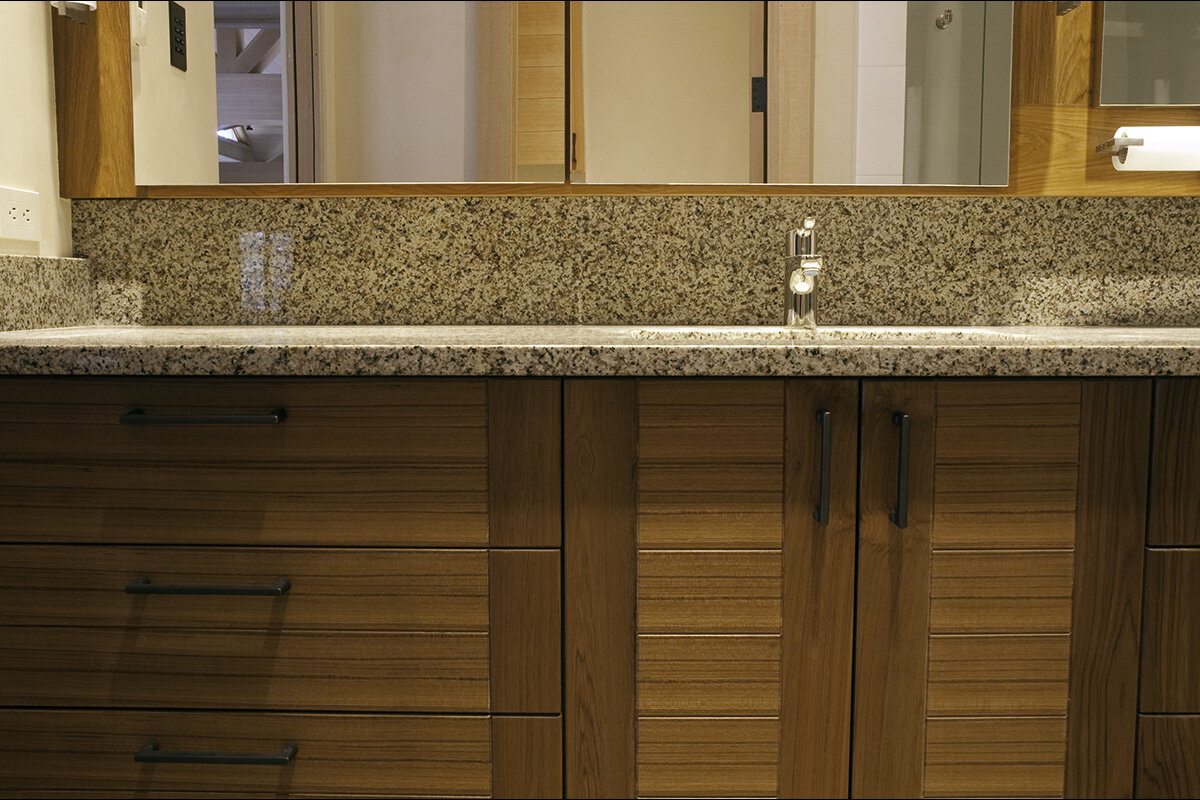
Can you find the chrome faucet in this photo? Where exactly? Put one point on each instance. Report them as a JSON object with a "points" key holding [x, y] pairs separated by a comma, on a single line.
{"points": [[803, 267]]}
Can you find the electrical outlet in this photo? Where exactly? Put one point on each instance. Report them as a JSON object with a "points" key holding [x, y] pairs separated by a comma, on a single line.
{"points": [[20, 221]]}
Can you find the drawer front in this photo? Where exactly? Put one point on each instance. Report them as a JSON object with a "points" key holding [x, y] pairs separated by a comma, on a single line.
{"points": [[327, 588], [1174, 503], [66, 753], [204, 668], [389, 462], [1171, 632], [1168, 756]]}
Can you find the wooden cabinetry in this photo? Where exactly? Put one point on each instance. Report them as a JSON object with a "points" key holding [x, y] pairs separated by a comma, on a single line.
{"points": [[1169, 728], [711, 620], [709, 615], [367, 570]]}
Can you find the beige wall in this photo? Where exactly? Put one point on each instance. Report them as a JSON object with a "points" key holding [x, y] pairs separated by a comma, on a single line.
{"points": [[666, 91], [29, 158], [175, 112], [398, 86]]}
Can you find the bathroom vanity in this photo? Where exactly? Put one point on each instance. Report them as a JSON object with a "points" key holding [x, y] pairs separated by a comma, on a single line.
{"points": [[512, 583]]}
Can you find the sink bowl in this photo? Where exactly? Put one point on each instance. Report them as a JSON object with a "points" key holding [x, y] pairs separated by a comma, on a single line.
{"points": [[832, 334]]}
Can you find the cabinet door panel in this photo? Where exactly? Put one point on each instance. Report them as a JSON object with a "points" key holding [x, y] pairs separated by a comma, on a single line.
{"points": [[1167, 762], [734, 671], [1171, 633], [1174, 502]]}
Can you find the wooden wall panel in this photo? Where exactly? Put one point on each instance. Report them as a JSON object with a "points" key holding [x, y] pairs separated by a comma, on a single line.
{"points": [[525, 462], [526, 631], [708, 757], [990, 757], [527, 757], [893, 594], [600, 555], [1105, 629], [1174, 503], [93, 90], [817, 645], [1170, 665]]}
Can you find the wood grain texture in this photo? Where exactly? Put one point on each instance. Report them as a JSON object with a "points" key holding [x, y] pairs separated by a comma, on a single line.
{"points": [[389, 462], [526, 631], [1167, 762], [1174, 503], [228, 669], [1000, 422], [1005, 591], [93, 87], [707, 757], [600, 578], [709, 506], [1005, 506], [527, 757], [973, 676], [1170, 666], [495, 90], [331, 588], [1105, 628], [893, 594], [525, 462], [708, 592], [385, 755], [989, 757], [818, 593], [710, 676]]}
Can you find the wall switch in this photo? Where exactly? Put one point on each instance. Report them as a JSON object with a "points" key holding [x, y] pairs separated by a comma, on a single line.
{"points": [[20, 221]]}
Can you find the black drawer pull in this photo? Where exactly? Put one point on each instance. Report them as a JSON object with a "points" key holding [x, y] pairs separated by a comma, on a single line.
{"points": [[144, 586], [825, 420], [899, 517], [150, 754], [138, 416]]}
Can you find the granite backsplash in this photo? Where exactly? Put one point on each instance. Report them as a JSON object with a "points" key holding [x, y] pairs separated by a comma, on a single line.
{"points": [[640, 260], [44, 292]]}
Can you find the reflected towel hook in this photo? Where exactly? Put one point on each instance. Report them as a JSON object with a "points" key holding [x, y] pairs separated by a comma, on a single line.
{"points": [[944, 19]]}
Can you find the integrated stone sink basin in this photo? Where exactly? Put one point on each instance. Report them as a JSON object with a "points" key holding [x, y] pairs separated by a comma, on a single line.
{"points": [[831, 335]]}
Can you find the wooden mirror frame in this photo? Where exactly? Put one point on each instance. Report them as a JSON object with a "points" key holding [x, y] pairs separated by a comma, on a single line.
{"points": [[1055, 127]]}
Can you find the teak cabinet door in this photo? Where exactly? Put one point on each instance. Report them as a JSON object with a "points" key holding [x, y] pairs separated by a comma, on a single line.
{"points": [[998, 582], [709, 613]]}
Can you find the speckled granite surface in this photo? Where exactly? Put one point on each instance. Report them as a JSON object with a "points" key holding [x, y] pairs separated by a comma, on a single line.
{"points": [[44, 292], [640, 260], [598, 351]]}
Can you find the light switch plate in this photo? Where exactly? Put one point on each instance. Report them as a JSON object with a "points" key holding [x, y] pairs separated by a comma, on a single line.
{"points": [[20, 221]]}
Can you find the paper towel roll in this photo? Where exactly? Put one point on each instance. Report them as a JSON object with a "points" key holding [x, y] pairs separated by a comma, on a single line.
{"points": [[1167, 149]]}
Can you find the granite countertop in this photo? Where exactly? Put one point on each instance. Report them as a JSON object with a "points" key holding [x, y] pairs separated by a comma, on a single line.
{"points": [[600, 351]]}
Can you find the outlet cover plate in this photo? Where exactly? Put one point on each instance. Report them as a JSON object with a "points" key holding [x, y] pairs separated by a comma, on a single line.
{"points": [[20, 221]]}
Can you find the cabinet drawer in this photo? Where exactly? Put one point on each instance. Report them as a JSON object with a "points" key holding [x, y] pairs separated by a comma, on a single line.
{"points": [[328, 588], [389, 462], [66, 753], [244, 669], [1168, 756], [1171, 632]]}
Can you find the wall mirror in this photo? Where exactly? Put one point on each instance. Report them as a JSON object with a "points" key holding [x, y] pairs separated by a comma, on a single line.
{"points": [[661, 92], [1149, 53], [348, 92], [792, 92]]}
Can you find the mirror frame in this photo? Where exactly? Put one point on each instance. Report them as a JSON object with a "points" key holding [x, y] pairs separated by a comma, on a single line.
{"points": [[1055, 124]]}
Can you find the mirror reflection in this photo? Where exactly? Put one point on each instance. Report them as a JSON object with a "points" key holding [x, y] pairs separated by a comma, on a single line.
{"points": [[1149, 53], [346, 92], [789, 92]]}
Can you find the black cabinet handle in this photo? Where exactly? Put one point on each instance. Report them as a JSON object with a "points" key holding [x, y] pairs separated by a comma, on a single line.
{"points": [[137, 416], [825, 420], [150, 754], [899, 517], [144, 586]]}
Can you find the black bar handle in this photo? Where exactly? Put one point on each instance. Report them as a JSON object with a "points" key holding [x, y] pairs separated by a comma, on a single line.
{"points": [[899, 517], [144, 586], [150, 754], [137, 416], [825, 420]]}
